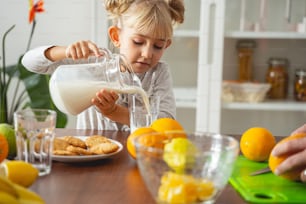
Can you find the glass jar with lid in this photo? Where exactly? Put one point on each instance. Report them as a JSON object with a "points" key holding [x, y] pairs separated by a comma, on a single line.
{"points": [[245, 50], [300, 85], [277, 76]]}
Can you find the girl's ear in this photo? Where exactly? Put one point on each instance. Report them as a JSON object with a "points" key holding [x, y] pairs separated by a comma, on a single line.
{"points": [[168, 43], [113, 33]]}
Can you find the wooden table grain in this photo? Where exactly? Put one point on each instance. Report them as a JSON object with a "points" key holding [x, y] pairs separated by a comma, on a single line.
{"points": [[108, 181]]}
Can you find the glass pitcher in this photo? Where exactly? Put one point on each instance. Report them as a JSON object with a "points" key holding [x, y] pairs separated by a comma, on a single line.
{"points": [[72, 86]]}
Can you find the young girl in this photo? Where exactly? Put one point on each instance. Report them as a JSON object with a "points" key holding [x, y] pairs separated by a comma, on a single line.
{"points": [[141, 30]]}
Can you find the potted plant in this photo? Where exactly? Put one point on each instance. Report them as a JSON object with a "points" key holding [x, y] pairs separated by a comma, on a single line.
{"points": [[36, 87]]}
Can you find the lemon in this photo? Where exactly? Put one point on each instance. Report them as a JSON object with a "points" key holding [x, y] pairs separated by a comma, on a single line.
{"points": [[9, 133], [19, 172], [179, 153]]}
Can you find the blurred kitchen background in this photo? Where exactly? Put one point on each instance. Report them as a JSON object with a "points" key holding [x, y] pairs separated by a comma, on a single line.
{"points": [[202, 56]]}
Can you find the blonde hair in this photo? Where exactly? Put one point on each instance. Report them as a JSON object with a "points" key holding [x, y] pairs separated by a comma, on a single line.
{"points": [[149, 17]]}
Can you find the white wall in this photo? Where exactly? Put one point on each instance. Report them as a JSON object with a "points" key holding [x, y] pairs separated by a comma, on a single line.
{"points": [[62, 23]]}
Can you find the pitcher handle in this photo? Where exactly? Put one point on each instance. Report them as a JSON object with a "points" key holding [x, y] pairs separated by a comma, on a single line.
{"points": [[107, 53], [126, 66]]}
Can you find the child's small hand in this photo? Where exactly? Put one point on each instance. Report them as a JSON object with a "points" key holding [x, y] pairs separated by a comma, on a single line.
{"points": [[105, 101], [82, 49]]}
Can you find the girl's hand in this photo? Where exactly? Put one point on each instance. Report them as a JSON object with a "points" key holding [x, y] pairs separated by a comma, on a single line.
{"points": [[105, 101], [82, 50]]}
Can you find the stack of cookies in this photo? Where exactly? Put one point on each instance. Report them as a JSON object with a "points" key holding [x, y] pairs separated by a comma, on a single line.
{"points": [[92, 145]]}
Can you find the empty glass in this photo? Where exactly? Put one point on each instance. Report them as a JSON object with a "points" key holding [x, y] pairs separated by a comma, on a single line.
{"points": [[35, 131], [143, 110]]}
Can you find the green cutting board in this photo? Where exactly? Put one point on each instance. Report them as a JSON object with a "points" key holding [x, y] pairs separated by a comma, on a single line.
{"points": [[265, 188]]}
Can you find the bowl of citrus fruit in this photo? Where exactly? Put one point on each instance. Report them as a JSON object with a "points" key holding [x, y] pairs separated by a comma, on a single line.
{"points": [[180, 167]]}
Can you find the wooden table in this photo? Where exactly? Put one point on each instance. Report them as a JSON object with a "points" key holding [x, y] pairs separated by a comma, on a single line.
{"points": [[109, 181]]}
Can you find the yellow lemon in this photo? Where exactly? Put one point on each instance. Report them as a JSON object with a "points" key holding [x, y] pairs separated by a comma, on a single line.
{"points": [[19, 172], [179, 153]]}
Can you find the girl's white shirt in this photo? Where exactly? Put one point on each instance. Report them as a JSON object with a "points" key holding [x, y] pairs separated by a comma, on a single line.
{"points": [[157, 81]]}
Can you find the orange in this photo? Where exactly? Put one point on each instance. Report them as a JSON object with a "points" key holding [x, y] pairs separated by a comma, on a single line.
{"points": [[275, 161], [175, 134], [166, 124], [129, 143], [155, 140], [158, 140], [257, 143], [4, 148], [182, 188], [8, 132]]}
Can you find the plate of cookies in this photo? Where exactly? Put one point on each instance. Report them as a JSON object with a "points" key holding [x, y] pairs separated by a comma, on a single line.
{"points": [[84, 148]]}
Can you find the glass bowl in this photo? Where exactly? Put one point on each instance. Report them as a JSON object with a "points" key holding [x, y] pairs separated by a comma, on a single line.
{"points": [[178, 173]]}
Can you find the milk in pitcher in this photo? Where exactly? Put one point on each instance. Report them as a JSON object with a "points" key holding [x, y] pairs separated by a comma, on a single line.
{"points": [[74, 97], [72, 86]]}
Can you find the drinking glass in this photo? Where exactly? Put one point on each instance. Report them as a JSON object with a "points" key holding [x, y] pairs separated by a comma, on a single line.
{"points": [[35, 131], [143, 110]]}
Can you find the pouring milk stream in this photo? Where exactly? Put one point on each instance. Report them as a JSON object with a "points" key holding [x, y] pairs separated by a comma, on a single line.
{"points": [[72, 86]]}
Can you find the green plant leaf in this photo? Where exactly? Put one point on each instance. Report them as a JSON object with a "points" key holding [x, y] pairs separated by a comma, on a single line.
{"points": [[35, 94], [4, 82], [37, 87]]}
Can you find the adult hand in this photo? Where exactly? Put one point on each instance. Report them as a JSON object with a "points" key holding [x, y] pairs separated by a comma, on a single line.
{"points": [[297, 151], [301, 129]]}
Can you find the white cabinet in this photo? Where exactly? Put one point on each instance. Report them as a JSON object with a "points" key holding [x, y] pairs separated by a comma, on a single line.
{"points": [[277, 35], [182, 56], [204, 54]]}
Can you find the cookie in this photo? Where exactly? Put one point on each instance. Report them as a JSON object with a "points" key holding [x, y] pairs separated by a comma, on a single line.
{"points": [[75, 141], [78, 150], [104, 148], [64, 153], [59, 144], [94, 140]]}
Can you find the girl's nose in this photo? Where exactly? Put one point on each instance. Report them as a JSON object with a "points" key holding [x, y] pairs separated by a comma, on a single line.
{"points": [[147, 52]]}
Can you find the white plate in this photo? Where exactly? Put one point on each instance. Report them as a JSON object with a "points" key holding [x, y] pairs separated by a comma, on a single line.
{"points": [[86, 158]]}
